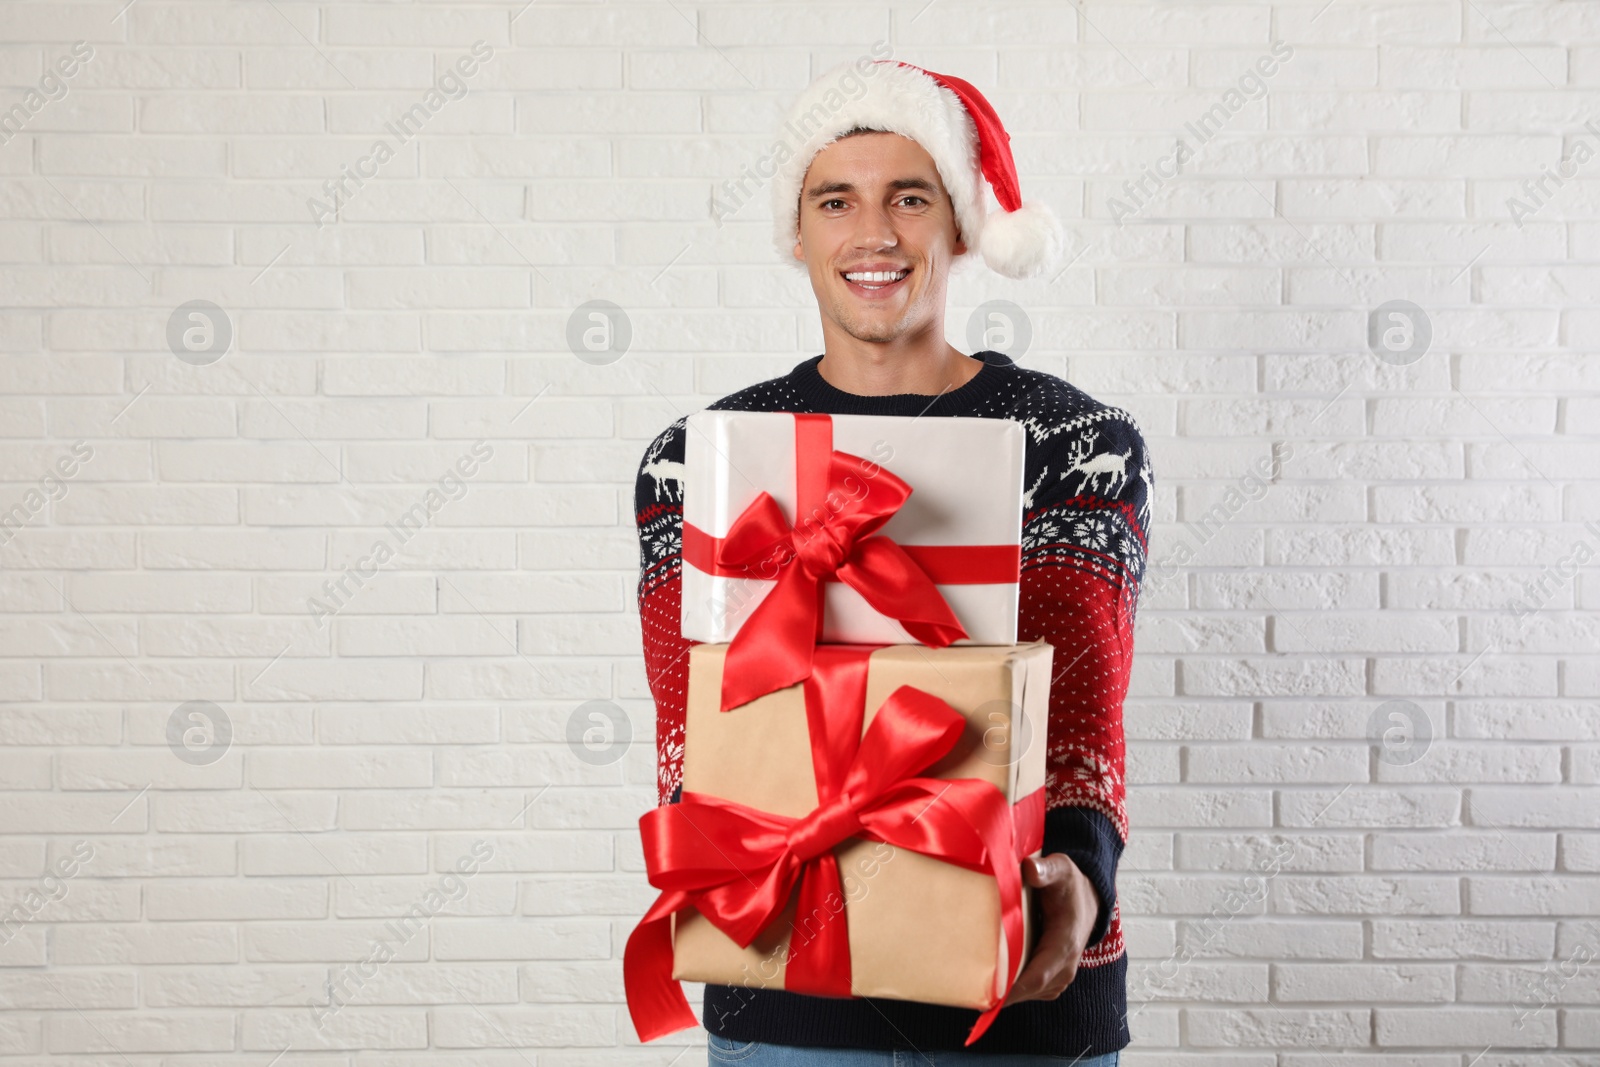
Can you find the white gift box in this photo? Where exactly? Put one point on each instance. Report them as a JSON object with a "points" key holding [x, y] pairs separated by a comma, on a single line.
{"points": [[966, 480]]}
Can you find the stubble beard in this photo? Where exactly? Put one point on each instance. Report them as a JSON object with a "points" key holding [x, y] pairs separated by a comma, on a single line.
{"points": [[872, 328]]}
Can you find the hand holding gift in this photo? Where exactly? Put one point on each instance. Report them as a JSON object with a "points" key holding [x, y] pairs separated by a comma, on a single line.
{"points": [[1069, 906]]}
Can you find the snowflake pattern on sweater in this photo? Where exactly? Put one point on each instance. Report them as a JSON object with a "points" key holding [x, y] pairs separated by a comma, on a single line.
{"points": [[1086, 509]]}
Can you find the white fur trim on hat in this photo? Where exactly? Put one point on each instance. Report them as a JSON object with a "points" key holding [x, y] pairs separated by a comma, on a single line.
{"points": [[897, 100]]}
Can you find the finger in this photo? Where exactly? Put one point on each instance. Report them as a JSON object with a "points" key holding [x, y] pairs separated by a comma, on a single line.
{"points": [[1054, 991], [1036, 974], [1053, 956], [1047, 870], [1058, 981], [1027, 986], [1055, 946], [1054, 960], [1042, 980]]}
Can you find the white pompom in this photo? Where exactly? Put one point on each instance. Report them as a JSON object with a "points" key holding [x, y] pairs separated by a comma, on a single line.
{"points": [[1021, 243]]}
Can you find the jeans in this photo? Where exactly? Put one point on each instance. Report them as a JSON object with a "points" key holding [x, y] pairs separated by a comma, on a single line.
{"points": [[723, 1052]]}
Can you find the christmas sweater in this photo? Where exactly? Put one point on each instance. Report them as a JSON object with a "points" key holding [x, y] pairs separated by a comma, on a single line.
{"points": [[1085, 515]]}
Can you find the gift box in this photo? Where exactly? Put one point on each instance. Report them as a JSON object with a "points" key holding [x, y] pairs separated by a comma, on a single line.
{"points": [[812, 528], [858, 834]]}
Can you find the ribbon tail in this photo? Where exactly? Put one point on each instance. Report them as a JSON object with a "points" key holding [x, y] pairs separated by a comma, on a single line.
{"points": [[1027, 834], [891, 582], [1009, 877], [1008, 874], [1027, 816], [773, 649], [656, 1002], [819, 958], [983, 1023], [978, 809]]}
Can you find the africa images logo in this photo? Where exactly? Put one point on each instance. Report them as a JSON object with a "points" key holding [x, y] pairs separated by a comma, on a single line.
{"points": [[52, 87]]}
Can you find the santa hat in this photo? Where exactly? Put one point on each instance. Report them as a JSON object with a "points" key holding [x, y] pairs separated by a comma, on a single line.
{"points": [[955, 125]]}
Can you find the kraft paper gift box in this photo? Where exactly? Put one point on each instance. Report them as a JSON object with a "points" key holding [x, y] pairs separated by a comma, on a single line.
{"points": [[961, 524], [919, 928]]}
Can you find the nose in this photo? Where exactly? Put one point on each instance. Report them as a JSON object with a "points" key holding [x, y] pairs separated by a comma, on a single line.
{"points": [[875, 228]]}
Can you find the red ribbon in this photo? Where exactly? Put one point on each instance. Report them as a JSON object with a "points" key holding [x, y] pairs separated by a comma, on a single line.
{"points": [[840, 502], [738, 865]]}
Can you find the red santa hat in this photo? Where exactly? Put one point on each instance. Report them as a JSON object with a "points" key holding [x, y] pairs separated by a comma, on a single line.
{"points": [[955, 125]]}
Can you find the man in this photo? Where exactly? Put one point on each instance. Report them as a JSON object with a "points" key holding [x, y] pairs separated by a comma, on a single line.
{"points": [[878, 220]]}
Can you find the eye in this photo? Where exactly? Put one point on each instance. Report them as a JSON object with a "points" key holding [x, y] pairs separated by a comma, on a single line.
{"points": [[835, 200], [912, 196]]}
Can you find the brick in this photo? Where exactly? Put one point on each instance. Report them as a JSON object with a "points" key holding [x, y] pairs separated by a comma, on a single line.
{"points": [[279, 898], [349, 855], [475, 896], [143, 943], [1395, 983], [1460, 939], [289, 769], [234, 115], [122, 1033]]}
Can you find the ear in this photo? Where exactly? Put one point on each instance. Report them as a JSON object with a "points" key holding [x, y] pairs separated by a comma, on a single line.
{"points": [[959, 247]]}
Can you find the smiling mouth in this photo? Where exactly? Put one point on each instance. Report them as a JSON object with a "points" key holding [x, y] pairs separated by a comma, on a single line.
{"points": [[874, 281]]}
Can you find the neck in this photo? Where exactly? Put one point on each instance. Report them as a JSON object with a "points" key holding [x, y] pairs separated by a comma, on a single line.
{"points": [[870, 369]]}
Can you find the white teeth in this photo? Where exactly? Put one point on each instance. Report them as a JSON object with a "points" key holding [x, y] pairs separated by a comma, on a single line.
{"points": [[877, 275]]}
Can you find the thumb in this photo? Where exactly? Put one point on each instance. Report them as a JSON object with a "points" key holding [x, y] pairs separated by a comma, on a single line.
{"points": [[1053, 867], [1041, 870]]}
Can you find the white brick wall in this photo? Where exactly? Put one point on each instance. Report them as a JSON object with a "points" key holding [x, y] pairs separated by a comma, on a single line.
{"points": [[1441, 910]]}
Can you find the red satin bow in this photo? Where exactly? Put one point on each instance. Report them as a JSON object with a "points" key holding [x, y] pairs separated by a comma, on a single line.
{"points": [[839, 507], [737, 865]]}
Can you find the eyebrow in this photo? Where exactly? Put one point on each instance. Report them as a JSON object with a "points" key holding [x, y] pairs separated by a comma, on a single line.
{"points": [[829, 188]]}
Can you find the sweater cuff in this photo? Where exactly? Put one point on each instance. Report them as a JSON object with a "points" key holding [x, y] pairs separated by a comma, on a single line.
{"points": [[1089, 839]]}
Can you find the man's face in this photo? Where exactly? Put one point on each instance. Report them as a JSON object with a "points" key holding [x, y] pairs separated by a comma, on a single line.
{"points": [[874, 202]]}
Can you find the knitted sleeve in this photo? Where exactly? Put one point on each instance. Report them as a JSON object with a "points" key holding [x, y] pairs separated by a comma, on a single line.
{"points": [[1083, 558], [658, 514]]}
